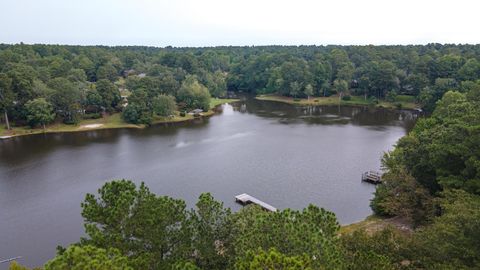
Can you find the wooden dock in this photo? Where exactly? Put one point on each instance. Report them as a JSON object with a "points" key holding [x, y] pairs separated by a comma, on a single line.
{"points": [[11, 259], [245, 199], [372, 177]]}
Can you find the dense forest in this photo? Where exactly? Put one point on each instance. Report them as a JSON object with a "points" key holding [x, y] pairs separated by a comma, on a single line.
{"points": [[41, 84], [432, 177]]}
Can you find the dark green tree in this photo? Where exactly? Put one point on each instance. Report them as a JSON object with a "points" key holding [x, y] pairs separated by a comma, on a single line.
{"points": [[88, 257], [109, 93], [39, 112], [193, 94], [164, 105], [7, 97], [212, 227], [151, 231]]}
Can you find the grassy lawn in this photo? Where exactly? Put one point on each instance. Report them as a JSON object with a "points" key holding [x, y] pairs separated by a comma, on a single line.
{"points": [[106, 122], [406, 101], [375, 223], [109, 121], [368, 223]]}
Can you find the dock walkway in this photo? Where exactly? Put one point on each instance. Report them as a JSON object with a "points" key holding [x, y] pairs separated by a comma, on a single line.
{"points": [[372, 177], [247, 199]]}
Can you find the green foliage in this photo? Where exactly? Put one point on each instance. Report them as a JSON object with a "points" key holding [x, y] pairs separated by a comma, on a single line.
{"points": [[164, 105], [181, 265], [216, 83], [385, 249], [151, 231], [272, 260], [308, 91], [109, 94], [312, 231], [16, 266], [88, 257], [212, 228], [93, 100], [451, 242], [139, 108], [92, 116], [377, 78], [391, 96], [470, 71], [441, 150], [401, 195], [7, 96], [39, 112], [66, 98], [38, 71], [107, 72], [132, 228], [194, 95], [340, 86]]}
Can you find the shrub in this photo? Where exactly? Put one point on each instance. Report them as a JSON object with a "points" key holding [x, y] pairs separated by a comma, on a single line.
{"points": [[346, 97], [164, 105], [183, 113], [391, 96], [296, 99], [92, 116], [373, 100]]}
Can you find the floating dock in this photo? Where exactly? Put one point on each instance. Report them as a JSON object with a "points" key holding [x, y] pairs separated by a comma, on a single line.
{"points": [[245, 199], [372, 177], [11, 259]]}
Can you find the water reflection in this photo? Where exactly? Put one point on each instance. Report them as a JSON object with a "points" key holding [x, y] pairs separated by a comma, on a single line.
{"points": [[328, 115], [288, 156]]}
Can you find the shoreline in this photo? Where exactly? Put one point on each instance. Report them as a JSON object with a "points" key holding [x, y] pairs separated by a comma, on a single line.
{"points": [[334, 101], [113, 121], [374, 223]]}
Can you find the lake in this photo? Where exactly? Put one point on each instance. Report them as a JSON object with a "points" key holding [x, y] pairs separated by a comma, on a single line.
{"points": [[285, 155]]}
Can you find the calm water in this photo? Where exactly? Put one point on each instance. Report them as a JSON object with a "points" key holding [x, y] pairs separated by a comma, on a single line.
{"points": [[285, 155]]}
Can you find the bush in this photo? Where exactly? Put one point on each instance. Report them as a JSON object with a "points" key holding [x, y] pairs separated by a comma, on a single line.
{"points": [[194, 94], [183, 113], [391, 96], [135, 115], [296, 99], [347, 97], [71, 119], [92, 116], [164, 105], [398, 105], [373, 100]]}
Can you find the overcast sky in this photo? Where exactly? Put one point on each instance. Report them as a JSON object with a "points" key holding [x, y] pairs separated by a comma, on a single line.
{"points": [[239, 22]]}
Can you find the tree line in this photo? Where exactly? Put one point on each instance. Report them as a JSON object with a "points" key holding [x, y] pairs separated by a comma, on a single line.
{"points": [[68, 83], [43, 83]]}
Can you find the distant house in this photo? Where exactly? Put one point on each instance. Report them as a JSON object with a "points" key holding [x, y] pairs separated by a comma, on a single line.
{"points": [[196, 111]]}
